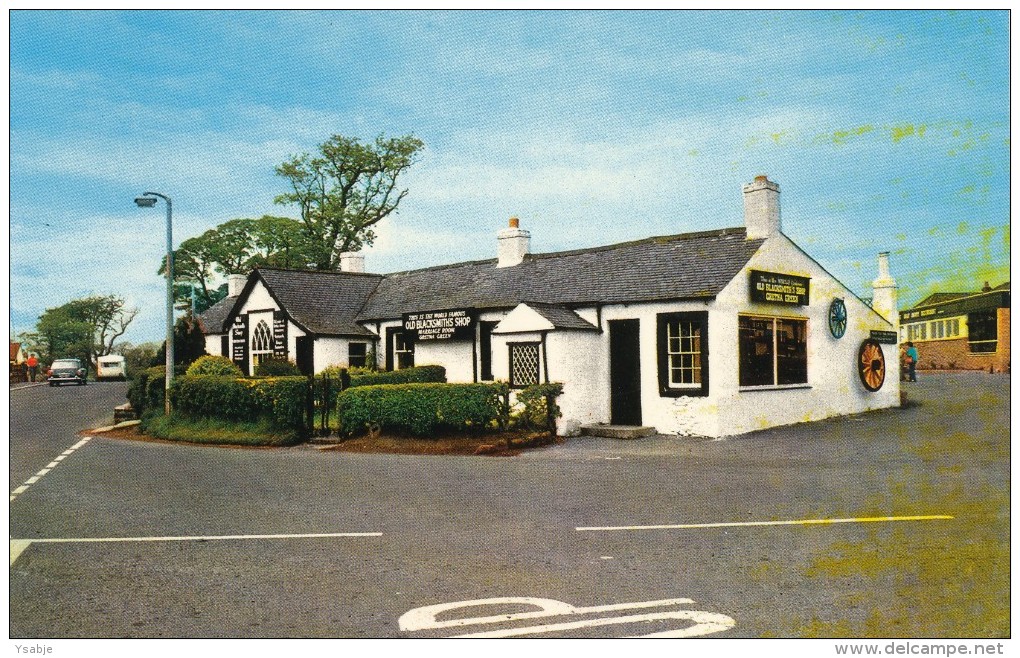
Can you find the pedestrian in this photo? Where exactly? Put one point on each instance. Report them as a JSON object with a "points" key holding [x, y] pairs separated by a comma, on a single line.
{"points": [[911, 362], [33, 366]]}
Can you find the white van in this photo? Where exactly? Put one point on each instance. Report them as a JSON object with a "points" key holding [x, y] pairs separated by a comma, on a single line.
{"points": [[111, 366]]}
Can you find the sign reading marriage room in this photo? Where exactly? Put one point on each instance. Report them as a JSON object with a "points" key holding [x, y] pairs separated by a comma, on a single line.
{"points": [[457, 324], [776, 288]]}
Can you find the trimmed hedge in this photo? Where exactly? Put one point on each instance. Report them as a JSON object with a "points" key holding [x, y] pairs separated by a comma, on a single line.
{"points": [[421, 409], [540, 409], [279, 400], [146, 392], [416, 375], [214, 365], [276, 367]]}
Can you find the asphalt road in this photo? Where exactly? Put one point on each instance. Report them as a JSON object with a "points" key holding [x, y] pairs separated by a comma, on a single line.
{"points": [[220, 547]]}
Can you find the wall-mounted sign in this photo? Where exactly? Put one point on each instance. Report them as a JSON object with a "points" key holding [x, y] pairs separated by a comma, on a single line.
{"points": [[985, 302], [239, 342], [279, 334], [885, 337], [456, 324], [776, 288]]}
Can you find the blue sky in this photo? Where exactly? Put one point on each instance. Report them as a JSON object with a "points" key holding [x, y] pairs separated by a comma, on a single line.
{"points": [[887, 131]]}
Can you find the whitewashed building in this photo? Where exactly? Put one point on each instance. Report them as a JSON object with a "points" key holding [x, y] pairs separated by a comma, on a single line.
{"points": [[711, 333]]}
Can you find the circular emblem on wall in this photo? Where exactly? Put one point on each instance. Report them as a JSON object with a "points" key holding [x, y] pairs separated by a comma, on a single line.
{"points": [[871, 365], [837, 318]]}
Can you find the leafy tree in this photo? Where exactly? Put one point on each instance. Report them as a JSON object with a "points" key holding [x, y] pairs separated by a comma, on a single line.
{"points": [[346, 189], [189, 343], [85, 328], [137, 357]]}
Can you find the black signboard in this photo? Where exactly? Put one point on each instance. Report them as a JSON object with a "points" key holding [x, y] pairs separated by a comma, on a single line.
{"points": [[456, 324], [885, 337], [776, 288], [279, 334], [239, 342]]}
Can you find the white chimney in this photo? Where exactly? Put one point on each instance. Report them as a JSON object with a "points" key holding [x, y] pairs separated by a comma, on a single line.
{"points": [[235, 284], [514, 243], [352, 261], [761, 208], [884, 298]]}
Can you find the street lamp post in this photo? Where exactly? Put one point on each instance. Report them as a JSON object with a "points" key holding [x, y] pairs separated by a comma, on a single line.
{"points": [[147, 200]]}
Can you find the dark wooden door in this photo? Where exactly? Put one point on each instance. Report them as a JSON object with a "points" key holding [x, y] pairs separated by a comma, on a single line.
{"points": [[304, 346], [625, 372]]}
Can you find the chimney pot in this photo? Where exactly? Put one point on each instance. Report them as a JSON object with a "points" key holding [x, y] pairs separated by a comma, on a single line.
{"points": [[986, 287], [513, 244]]}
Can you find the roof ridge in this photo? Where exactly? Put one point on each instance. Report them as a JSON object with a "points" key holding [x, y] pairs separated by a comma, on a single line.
{"points": [[318, 272], [736, 230]]}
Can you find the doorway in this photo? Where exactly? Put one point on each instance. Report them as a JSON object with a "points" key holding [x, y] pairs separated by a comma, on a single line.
{"points": [[625, 372]]}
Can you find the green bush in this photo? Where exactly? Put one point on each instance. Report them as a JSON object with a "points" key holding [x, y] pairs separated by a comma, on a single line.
{"points": [[370, 377], [214, 365], [539, 408], [422, 409], [146, 392], [278, 400], [276, 367]]}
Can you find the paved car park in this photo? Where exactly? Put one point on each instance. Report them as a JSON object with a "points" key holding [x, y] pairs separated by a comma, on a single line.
{"points": [[184, 541]]}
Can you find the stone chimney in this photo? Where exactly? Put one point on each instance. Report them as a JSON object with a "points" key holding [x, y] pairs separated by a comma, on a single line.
{"points": [[884, 299], [352, 261], [986, 287], [761, 208], [513, 244], [235, 284]]}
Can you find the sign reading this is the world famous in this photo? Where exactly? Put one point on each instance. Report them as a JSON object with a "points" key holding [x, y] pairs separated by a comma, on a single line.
{"points": [[456, 324], [776, 288]]}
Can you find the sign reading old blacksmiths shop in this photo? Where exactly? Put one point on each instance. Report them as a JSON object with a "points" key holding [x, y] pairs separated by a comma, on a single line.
{"points": [[239, 342], [456, 324], [776, 288], [279, 334]]}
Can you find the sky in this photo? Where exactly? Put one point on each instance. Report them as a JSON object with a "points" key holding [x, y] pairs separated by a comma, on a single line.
{"points": [[886, 131]]}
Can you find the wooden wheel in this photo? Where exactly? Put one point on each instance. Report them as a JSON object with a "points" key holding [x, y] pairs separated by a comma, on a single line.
{"points": [[871, 365], [837, 318]]}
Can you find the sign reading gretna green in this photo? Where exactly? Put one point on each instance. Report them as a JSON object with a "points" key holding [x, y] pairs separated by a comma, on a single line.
{"points": [[776, 288], [456, 324], [886, 337]]}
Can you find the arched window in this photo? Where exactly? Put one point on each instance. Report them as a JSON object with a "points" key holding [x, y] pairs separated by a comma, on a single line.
{"points": [[261, 343]]}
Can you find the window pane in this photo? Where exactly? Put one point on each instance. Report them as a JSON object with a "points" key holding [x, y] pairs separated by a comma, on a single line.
{"points": [[524, 364], [756, 357], [791, 351], [356, 354]]}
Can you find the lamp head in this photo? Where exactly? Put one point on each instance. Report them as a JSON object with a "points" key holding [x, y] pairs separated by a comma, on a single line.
{"points": [[145, 201]]}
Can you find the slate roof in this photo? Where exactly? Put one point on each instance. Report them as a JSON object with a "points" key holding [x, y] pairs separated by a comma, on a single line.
{"points": [[321, 302], [1002, 286], [561, 317], [687, 266], [211, 319], [940, 297]]}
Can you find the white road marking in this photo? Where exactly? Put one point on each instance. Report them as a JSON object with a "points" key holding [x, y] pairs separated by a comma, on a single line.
{"points": [[24, 543], [706, 622], [49, 467], [738, 524], [425, 618]]}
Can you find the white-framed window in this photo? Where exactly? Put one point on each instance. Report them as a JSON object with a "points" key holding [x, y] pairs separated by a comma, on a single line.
{"points": [[682, 346], [261, 343]]}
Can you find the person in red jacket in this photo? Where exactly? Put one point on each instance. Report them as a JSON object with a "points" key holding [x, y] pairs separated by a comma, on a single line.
{"points": [[33, 366]]}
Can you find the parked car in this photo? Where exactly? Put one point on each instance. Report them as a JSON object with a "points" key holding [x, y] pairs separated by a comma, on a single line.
{"points": [[66, 371], [111, 366]]}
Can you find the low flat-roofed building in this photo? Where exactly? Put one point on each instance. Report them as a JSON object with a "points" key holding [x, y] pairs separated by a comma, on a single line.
{"points": [[960, 330]]}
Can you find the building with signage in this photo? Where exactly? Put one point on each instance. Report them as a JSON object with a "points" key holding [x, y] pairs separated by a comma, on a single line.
{"points": [[711, 333], [960, 330]]}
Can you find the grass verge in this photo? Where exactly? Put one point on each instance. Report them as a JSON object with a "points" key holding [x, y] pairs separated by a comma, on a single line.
{"points": [[219, 432]]}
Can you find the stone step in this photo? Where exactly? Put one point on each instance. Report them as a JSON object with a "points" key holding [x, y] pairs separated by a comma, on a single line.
{"points": [[124, 412], [617, 431]]}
